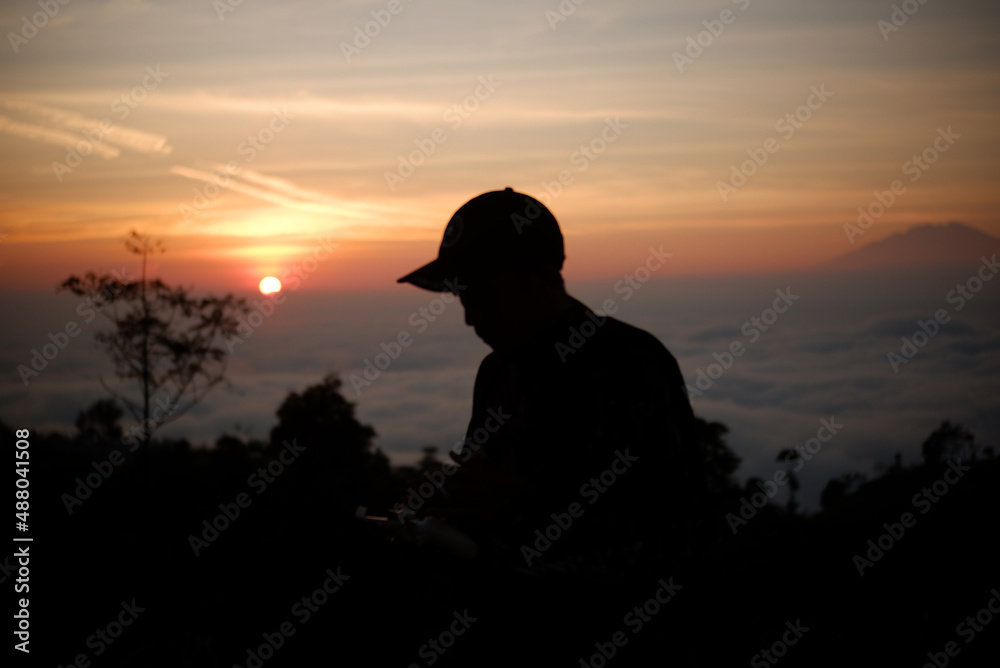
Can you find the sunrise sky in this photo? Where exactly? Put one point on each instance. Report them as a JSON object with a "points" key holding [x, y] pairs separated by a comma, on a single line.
{"points": [[301, 119], [258, 138]]}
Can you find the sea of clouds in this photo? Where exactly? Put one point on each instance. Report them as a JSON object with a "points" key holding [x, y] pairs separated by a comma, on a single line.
{"points": [[824, 356]]}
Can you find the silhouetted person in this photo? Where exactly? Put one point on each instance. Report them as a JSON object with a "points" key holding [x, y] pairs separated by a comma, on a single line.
{"points": [[580, 466]]}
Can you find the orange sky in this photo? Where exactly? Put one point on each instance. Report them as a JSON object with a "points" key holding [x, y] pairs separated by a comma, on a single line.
{"points": [[240, 152], [213, 263]]}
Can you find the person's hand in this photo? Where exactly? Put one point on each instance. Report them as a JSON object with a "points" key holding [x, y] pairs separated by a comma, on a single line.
{"points": [[479, 488], [406, 527]]}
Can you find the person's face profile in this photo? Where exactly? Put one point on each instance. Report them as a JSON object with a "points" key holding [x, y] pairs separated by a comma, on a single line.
{"points": [[494, 308]]}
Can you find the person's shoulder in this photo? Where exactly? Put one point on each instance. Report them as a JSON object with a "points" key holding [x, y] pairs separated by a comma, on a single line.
{"points": [[626, 331], [624, 345], [489, 367], [625, 337]]}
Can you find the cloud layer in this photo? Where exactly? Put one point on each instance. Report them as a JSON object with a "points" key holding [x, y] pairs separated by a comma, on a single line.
{"points": [[825, 357]]}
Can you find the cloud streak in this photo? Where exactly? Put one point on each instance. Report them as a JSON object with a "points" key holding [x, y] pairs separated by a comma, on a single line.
{"points": [[94, 131], [274, 191], [48, 135]]}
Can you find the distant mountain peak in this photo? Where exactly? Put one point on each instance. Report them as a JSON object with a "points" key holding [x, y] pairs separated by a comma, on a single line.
{"points": [[931, 245]]}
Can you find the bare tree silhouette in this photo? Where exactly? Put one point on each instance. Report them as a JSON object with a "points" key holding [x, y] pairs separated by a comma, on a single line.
{"points": [[161, 339]]}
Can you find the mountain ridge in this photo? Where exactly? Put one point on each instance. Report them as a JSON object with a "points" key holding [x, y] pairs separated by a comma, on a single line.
{"points": [[930, 245]]}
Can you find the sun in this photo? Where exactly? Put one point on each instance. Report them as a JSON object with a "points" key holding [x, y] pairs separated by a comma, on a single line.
{"points": [[270, 285]]}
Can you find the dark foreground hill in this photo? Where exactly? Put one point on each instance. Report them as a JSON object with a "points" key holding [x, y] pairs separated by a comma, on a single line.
{"points": [[226, 576]]}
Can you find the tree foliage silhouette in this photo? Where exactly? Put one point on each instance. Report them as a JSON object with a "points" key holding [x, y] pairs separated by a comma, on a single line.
{"points": [[161, 338], [791, 457], [837, 489], [338, 464], [948, 441], [99, 423], [720, 462]]}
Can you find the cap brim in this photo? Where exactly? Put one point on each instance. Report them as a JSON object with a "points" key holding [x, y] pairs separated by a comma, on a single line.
{"points": [[431, 276]]}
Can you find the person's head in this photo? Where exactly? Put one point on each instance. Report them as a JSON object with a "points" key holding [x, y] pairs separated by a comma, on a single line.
{"points": [[507, 308], [502, 253]]}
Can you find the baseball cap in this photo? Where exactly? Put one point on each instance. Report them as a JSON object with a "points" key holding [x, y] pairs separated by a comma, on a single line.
{"points": [[497, 230]]}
